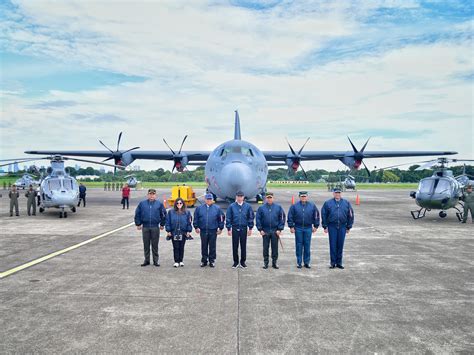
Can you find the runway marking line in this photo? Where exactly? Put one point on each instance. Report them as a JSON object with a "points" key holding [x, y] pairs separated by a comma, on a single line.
{"points": [[59, 252]]}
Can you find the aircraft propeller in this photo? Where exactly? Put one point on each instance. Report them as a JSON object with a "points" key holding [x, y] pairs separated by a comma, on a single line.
{"points": [[294, 160], [358, 155], [117, 154], [180, 159]]}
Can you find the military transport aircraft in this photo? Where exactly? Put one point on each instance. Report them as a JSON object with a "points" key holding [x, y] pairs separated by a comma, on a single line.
{"points": [[239, 165]]}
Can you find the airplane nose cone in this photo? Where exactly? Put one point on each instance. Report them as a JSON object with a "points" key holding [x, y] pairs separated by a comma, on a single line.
{"points": [[238, 176]]}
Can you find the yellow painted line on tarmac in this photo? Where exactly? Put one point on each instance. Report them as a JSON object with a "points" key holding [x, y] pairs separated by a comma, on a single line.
{"points": [[59, 252]]}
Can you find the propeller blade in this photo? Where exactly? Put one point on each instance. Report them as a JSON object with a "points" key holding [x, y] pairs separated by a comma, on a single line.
{"points": [[172, 151], [106, 146], [365, 166], [303, 146], [353, 146], [118, 141], [291, 148], [108, 159], [365, 145], [182, 143], [304, 172], [130, 150]]}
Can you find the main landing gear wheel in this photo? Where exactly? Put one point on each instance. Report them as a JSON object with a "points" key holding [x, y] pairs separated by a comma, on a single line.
{"points": [[443, 214]]}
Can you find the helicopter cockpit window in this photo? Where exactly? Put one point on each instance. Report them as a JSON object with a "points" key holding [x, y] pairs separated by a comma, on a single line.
{"points": [[68, 184], [443, 186], [54, 184], [426, 186]]}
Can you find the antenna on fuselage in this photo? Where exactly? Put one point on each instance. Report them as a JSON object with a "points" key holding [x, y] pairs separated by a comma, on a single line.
{"points": [[237, 126]]}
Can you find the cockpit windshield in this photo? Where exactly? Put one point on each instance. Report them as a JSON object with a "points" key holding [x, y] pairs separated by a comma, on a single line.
{"points": [[237, 150], [426, 186], [440, 186], [68, 184], [443, 186], [54, 184]]}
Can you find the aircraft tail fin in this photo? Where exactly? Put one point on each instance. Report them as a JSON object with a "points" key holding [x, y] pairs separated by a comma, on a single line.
{"points": [[237, 126]]}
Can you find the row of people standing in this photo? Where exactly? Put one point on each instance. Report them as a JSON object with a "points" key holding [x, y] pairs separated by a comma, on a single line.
{"points": [[31, 196], [304, 219]]}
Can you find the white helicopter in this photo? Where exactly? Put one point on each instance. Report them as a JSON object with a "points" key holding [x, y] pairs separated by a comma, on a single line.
{"points": [[58, 189], [132, 181], [25, 181]]}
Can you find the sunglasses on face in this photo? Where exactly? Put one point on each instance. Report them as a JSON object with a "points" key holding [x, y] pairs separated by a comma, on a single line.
{"points": [[179, 203]]}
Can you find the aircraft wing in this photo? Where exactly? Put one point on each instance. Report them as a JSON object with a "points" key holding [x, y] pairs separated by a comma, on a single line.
{"points": [[142, 154], [337, 155]]}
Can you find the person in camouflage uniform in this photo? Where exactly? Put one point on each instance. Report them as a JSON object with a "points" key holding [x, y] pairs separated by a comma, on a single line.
{"points": [[468, 198]]}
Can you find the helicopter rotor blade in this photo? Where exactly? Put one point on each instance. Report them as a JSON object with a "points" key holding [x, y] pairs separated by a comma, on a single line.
{"points": [[429, 164], [22, 161], [94, 162]]}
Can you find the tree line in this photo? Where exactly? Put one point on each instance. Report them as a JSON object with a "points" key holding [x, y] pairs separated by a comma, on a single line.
{"points": [[280, 174]]}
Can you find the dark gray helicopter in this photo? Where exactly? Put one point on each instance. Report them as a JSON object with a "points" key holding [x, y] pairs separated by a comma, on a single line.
{"points": [[441, 191], [239, 165], [58, 189]]}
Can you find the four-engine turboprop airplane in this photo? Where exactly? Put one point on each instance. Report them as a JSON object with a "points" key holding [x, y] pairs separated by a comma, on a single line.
{"points": [[237, 165]]}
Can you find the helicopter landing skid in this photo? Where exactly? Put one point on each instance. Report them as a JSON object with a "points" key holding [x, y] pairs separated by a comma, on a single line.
{"points": [[419, 213], [459, 213]]}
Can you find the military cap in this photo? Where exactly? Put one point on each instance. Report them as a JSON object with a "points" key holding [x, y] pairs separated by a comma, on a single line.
{"points": [[239, 193], [303, 193], [151, 191], [336, 189], [209, 197], [269, 194]]}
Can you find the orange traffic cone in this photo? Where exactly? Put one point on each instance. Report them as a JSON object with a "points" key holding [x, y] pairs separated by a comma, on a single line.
{"points": [[357, 200], [292, 200], [164, 201]]}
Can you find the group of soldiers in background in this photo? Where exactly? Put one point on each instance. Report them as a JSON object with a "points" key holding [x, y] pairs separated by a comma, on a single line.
{"points": [[304, 218], [113, 186]]}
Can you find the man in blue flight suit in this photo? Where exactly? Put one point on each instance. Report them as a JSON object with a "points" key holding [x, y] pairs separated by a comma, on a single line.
{"points": [[239, 223], [338, 217], [209, 223], [82, 195], [150, 218], [270, 223], [303, 220]]}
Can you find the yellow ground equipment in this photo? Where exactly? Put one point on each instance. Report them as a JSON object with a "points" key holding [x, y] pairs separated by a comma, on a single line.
{"points": [[185, 192]]}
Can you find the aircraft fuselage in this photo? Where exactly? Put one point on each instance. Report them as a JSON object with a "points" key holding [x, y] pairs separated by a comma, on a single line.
{"points": [[236, 165]]}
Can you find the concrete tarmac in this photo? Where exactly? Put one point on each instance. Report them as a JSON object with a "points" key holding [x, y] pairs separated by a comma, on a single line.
{"points": [[408, 286]]}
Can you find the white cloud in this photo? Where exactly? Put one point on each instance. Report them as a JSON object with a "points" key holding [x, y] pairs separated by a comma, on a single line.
{"points": [[203, 62]]}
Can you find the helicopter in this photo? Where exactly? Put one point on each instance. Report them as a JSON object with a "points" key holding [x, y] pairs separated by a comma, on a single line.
{"points": [[58, 189], [25, 181], [441, 191], [132, 181]]}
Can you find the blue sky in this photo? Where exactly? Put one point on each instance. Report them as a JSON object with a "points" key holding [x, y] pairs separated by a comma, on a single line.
{"points": [[400, 72]]}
